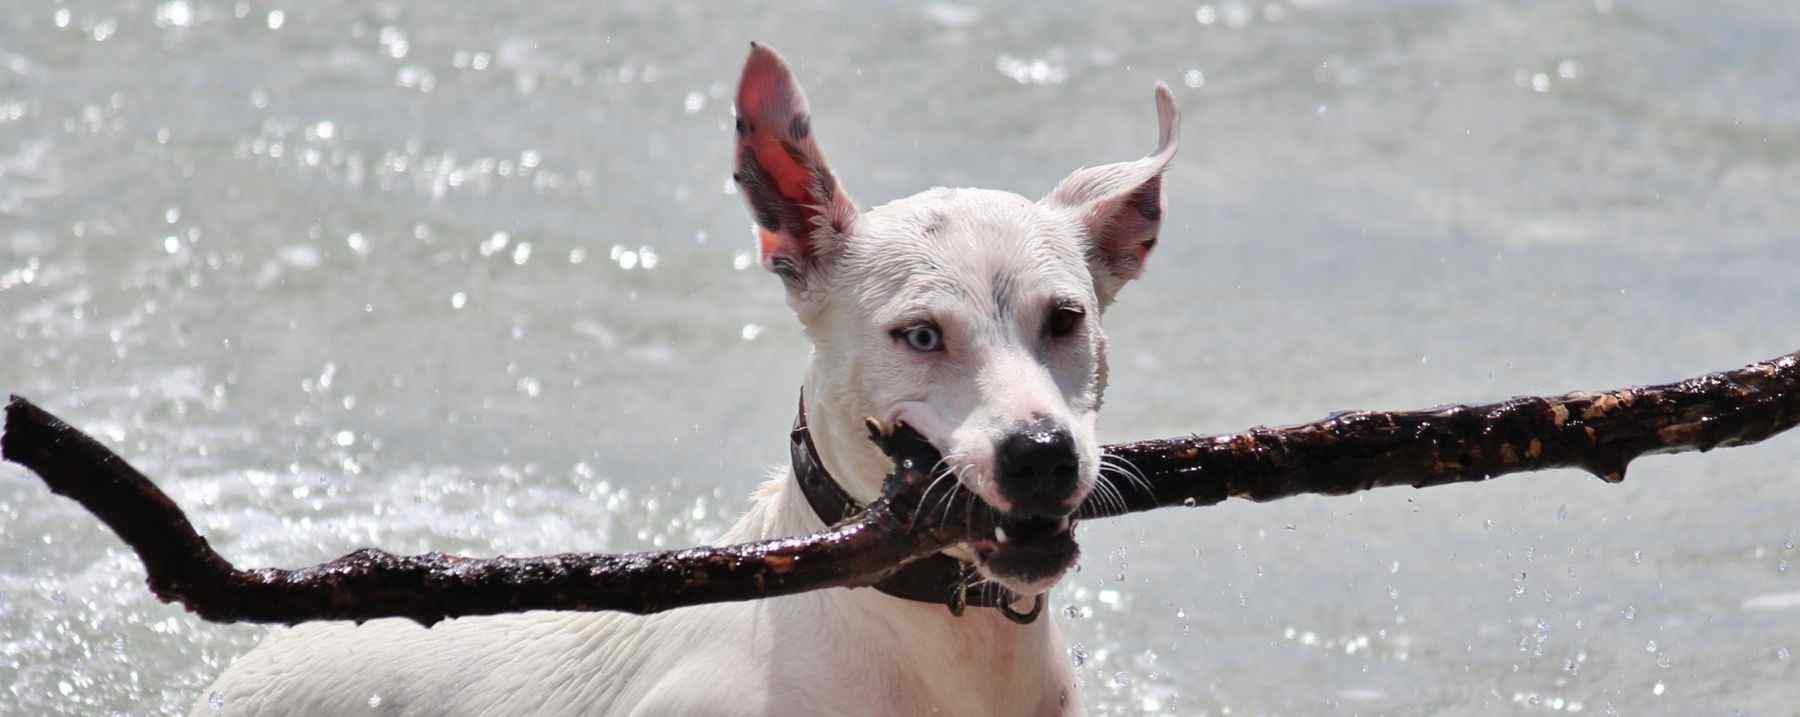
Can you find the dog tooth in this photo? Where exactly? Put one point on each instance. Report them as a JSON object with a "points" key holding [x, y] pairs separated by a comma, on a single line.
{"points": [[1000, 533]]}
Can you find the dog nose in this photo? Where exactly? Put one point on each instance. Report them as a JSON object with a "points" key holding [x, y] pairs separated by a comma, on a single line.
{"points": [[1035, 467]]}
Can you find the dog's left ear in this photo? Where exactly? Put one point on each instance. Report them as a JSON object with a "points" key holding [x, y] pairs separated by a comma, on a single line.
{"points": [[802, 214], [1121, 204]]}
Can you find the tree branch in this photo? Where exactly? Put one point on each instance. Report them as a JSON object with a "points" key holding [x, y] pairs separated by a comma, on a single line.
{"points": [[1345, 453], [1353, 451]]}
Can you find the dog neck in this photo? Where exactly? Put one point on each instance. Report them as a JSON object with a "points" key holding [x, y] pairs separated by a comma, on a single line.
{"points": [[917, 653], [844, 449]]}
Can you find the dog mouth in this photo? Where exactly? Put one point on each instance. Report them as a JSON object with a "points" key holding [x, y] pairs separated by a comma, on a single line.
{"points": [[1027, 553]]}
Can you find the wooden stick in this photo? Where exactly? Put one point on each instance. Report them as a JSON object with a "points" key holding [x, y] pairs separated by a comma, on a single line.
{"points": [[1344, 453], [1353, 451]]}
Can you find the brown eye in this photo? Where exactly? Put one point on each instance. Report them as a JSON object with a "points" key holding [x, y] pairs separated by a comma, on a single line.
{"points": [[1064, 320]]}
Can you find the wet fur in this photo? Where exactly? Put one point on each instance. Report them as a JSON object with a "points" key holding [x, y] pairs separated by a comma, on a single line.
{"points": [[986, 266]]}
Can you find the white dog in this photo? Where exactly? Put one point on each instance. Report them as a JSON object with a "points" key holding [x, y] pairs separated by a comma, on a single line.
{"points": [[971, 315]]}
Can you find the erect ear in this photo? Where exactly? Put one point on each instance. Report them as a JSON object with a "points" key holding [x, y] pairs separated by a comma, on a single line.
{"points": [[801, 213], [1121, 204]]}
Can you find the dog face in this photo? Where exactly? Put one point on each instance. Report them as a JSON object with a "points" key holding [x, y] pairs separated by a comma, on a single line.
{"points": [[971, 315]]}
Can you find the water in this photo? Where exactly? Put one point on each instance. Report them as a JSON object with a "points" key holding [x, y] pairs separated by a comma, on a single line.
{"points": [[276, 254]]}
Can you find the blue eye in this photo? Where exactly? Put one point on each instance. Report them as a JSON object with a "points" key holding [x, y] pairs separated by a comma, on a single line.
{"points": [[924, 338]]}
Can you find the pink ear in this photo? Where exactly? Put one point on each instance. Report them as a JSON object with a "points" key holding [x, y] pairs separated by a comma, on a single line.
{"points": [[800, 210], [1122, 204]]}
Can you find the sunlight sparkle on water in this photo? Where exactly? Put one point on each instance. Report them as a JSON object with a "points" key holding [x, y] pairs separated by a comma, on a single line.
{"points": [[176, 13]]}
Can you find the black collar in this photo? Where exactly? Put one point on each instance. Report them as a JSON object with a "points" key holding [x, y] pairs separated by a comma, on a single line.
{"points": [[938, 579]]}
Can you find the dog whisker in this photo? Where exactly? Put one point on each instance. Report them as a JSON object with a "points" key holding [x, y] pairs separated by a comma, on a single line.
{"points": [[1110, 497], [1131, 471], [925, 499], [944, 517]]}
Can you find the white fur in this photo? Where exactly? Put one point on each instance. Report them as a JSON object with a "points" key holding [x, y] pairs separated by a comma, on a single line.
{"points": [[844, 652], [986, 267]]}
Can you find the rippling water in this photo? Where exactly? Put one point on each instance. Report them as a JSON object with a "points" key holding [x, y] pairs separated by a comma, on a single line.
{"points": [[471, 279]]}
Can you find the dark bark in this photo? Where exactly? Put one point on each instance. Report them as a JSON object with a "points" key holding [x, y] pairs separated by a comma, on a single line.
{"points": [[1352, 451], [1347, 452]]}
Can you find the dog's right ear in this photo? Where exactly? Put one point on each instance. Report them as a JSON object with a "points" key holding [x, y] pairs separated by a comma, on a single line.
{"points": [[802, 214]]}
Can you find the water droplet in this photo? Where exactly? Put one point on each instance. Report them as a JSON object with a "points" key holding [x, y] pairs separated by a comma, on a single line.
{"points": [[393, 42], [1629, 612], [1658, 689], [1031, 71], [215, 701], [458, 300], [626, 258], [374, 700], [494, 243], [751, 331], [345, 438], [693, 103], [1190, 502], [1194, 78], [1781, 653], [1078, 655], [276, 19], [65, 688]]}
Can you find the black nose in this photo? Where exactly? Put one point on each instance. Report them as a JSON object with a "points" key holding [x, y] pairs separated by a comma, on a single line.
{"points": [[1035, 467]]}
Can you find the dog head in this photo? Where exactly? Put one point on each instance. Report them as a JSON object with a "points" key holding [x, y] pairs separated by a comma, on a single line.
{"points": [[971, 315]]}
